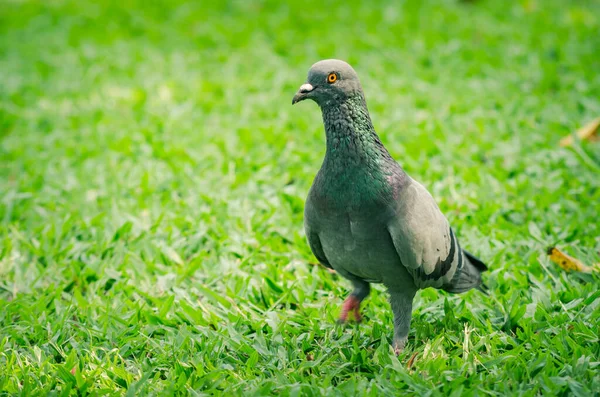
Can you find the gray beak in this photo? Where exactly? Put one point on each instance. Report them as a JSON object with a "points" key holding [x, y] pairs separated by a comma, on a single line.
{"points": [[302, 93]]}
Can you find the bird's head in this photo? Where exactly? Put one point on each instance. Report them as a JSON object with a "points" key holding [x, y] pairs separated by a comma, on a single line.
{"points": [[329, 81]]}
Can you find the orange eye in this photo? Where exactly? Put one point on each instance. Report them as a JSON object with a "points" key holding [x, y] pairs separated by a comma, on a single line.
{"points": [[332, 78]]}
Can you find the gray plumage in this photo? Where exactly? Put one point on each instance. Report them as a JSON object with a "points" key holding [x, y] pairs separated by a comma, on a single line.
{"points": [[366, 218]]}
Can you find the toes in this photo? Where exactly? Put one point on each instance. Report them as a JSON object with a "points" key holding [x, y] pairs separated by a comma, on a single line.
{"points": [[351, 305], [399, 345]]}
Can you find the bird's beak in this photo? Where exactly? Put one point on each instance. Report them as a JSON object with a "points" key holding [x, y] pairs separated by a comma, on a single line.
{"points": [[302, 93]]}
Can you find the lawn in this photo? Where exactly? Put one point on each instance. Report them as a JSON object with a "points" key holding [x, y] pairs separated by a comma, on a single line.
{"points": [[153, 175]]}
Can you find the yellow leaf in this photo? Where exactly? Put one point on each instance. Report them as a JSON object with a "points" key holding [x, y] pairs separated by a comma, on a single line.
{"points": [[587, 132], [567, 262]]}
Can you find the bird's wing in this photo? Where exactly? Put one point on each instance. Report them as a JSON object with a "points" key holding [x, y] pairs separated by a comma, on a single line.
{"points": [[312, 236], [423, 238], [315, 246]]}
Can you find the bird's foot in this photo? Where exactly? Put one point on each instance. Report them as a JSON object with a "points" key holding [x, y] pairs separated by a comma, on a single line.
{"points": [[351, 304], [399, 345]]}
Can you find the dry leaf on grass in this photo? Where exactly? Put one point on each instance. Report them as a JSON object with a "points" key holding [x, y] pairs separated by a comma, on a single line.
{"points": [[567, 262], [588, 132], [411, 361]]}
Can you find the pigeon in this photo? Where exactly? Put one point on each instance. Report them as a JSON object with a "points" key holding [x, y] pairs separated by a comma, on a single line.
{"points": [[366, 218]]}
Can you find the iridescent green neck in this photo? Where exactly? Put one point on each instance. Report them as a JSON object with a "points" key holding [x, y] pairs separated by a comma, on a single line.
{"points": [[351, 138], [356, 165]]}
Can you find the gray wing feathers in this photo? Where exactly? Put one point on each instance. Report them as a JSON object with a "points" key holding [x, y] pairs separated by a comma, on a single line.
{"points": [[315, 246], [423, 238], [313, 237]]}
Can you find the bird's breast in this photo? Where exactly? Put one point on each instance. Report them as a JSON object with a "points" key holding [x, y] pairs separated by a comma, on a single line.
{"points": [[355, 239]]}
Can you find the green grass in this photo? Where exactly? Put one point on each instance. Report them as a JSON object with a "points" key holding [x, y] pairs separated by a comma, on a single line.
{"points": [[153, 174]]}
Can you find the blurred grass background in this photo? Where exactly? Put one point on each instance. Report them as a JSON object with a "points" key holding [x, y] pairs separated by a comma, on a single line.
{"points": [[153, 175]]}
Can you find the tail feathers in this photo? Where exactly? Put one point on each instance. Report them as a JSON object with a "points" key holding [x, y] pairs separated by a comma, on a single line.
{"points": [[469, 276], [475, 261]]}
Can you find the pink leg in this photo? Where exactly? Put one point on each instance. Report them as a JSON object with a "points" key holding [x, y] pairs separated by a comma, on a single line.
{"points": [[351, 304]]}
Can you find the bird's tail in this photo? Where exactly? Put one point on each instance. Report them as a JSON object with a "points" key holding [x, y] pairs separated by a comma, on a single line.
{"points": [[469, 276]]}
